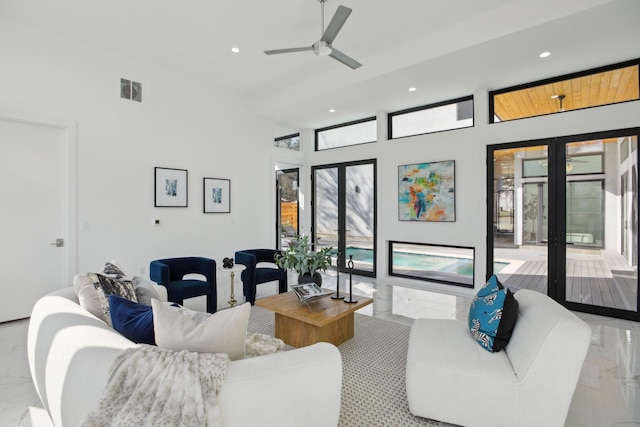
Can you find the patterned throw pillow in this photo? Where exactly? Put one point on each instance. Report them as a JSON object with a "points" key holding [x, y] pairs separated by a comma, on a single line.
{"points": [[92, 300], [112, 270], [109, 285], [493, 315]]}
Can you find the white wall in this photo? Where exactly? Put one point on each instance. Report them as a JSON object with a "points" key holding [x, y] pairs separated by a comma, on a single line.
{"points": [[181, 123]]}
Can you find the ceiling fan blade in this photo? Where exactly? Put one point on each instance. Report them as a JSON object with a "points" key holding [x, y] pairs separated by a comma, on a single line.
{"points": [[336, 24], [292, 49], [341, 57]]}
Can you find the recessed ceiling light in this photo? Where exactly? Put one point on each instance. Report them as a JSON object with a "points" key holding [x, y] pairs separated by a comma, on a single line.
{"points": [[412, 89], [235, 50], [545, 54], [332, 110]]}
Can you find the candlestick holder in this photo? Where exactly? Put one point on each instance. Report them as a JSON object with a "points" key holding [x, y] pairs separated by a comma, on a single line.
{"points": [[350, 267], [337, 294]]}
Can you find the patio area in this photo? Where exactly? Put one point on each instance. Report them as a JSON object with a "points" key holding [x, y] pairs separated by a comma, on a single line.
{"points": [[594, 276]]}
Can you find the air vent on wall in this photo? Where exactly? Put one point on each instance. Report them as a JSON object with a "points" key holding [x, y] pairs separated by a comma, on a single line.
{"points": [[130, 90]]}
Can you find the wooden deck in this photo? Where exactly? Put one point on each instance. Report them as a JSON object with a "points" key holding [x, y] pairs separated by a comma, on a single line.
{"points": [[598, 278]]}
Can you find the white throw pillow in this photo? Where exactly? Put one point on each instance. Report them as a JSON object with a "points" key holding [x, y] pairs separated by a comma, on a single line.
{"points": [[178, 328], [145, 290]]}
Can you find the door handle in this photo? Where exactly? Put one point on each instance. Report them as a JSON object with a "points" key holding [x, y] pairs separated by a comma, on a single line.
{"points": [[58, 243]]}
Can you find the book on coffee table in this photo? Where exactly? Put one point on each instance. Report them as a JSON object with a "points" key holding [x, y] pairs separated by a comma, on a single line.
{"points": [[308, 291]]}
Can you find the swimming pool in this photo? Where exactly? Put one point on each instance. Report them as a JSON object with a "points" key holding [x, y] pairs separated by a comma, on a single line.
{"points": [[421, 261]]}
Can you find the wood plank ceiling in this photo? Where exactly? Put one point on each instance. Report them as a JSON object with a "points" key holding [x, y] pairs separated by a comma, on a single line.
{"points": [[603, 88]]}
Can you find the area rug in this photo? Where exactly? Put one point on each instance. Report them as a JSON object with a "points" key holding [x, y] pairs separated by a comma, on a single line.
{"points": [[373, 372]]}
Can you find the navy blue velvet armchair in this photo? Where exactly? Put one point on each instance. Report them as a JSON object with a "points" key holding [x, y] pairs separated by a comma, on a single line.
{"points": [[170, 273], [254, 275]]}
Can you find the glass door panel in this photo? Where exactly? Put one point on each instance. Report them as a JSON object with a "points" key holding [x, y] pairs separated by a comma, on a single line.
{"points": [[359, 216], [287, 206], [325, 204], [344, 213], [520, 193], [601, 270]]}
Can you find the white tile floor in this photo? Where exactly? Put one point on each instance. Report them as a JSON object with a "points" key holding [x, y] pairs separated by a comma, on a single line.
{"points": [[607, 394]]}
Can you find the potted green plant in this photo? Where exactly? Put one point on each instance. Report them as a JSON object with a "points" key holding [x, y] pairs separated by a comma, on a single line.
{"points": [[300, 257]]}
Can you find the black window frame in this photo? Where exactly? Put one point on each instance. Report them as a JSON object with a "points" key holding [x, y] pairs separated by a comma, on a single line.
{"points": [[340, 125], [427, 278], [281, 138], [560, 78], [391, 115]]}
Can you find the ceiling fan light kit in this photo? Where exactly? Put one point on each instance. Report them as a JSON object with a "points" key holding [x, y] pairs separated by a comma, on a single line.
{"points": [[321, 48], [324, 47], [560, 98]]}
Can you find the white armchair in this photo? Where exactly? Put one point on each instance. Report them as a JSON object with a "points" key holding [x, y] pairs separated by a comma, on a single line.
{"points": [[451, 378]]}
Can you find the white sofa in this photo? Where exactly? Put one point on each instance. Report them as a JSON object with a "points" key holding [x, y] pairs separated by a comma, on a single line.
{"points": [[451, 378], [71, 352]]}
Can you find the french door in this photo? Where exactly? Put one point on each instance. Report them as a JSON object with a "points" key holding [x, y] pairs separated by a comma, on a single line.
{"points": [[574, 208], [287, 207], [344, 213]]}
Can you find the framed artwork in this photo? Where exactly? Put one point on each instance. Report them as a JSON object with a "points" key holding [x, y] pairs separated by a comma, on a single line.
{"points": [[171, 188], [426, 192], [217, 195]]}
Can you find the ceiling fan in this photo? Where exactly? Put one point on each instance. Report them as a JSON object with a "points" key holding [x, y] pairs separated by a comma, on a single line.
{"points": [[324, 47]]}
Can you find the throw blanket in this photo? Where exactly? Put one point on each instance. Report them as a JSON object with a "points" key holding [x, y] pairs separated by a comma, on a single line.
{"points": [[152, 386], [256, 344]]}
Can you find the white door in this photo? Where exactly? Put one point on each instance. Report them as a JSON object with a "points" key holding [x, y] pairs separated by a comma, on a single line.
{"points": [[33, 214]]}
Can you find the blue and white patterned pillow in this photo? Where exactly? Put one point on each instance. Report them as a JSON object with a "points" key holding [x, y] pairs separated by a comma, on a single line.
{"points": [[493, 315], [112, 282]]}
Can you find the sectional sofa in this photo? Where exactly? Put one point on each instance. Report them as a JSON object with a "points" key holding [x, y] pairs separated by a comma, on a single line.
{"points": [[71, 353]]}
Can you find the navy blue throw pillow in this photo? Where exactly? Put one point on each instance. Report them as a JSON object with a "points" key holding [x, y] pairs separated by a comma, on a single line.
{"points": [[493, 315], [134, 321]]}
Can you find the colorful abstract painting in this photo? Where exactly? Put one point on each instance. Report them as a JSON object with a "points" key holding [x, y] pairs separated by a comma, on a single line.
{"points": [[426, 192]]}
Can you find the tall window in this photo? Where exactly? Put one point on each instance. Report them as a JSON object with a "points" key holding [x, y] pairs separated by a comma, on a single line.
{"points": [[353, 133], [591, 88], [447, 115]]}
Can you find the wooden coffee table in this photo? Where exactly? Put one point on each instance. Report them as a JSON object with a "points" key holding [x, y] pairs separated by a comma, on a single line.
{"points": [[322, 319]]}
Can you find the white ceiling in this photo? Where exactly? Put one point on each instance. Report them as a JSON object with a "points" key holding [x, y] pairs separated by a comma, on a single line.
{"points": [[445, 48]]}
